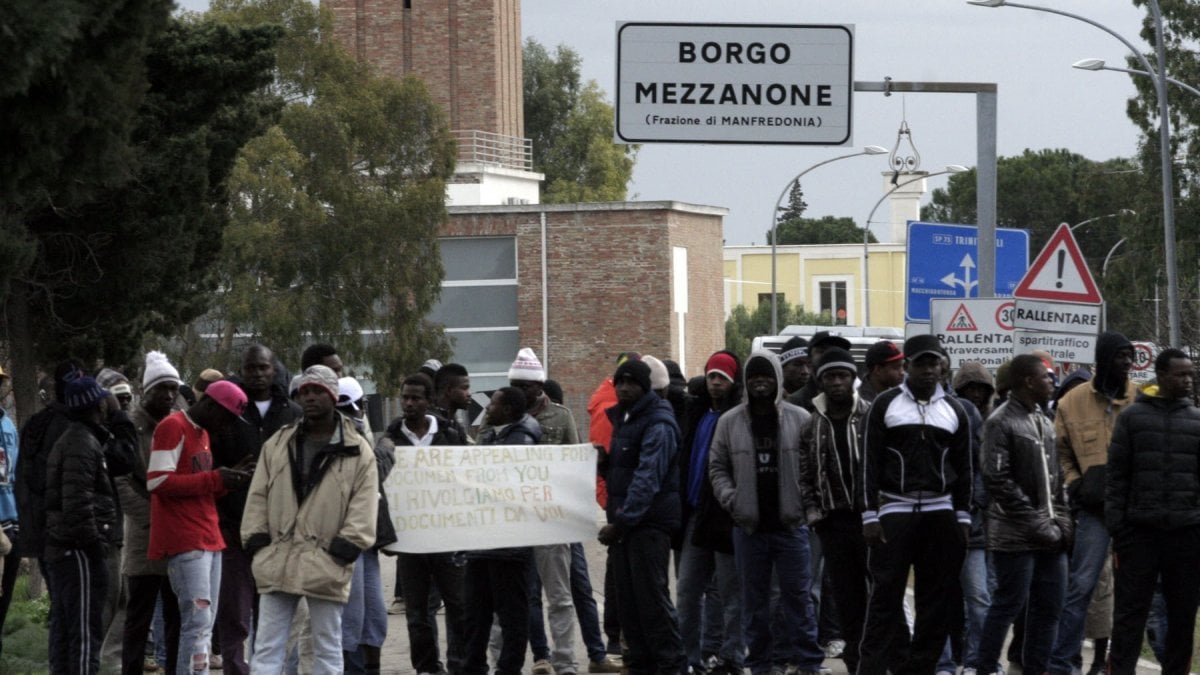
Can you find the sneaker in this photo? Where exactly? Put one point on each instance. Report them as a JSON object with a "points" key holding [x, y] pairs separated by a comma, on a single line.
{"points": [[215, 662], [609, 664], [835, 648], [397, 607], [149, 665], [542, 667]]}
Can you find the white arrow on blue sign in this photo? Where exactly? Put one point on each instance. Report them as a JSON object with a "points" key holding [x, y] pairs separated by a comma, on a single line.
{"points": [[941, 263]]}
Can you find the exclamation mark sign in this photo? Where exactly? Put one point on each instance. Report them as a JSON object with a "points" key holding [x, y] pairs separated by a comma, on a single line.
{"points": [[1062, 260]]}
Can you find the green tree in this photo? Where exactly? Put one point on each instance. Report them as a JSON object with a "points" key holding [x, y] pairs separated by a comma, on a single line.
{"points": [[570, 126], [824, 230], [744, 324], [336, 214], [127, 256], [794, 208]]}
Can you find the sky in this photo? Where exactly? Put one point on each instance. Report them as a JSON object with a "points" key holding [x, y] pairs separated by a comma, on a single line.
{"points": [[1042, 101]]}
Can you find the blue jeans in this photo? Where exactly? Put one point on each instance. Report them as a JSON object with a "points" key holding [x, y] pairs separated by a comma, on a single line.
{"points": [[364, 616], [794, 642], [1038, 578], [196, 579], [1087, 559], [978, 581], [275, 611], [585, 605], [697, 568]]}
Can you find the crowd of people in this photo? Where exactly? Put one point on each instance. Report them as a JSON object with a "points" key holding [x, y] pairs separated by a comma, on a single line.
{"points": [[794, 498]]}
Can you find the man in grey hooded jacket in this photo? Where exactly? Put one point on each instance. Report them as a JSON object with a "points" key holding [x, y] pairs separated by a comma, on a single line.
{"points": [[754, 464]]}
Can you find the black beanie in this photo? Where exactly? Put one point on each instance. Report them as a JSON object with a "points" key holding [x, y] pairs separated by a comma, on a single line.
{"points": [[760, 365], [636, 369], [836, 357]]}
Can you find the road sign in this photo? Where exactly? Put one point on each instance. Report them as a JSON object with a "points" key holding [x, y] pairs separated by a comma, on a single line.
{"points": [[734, 83], [1144, 354], [912, 328], [976, 329], [1058, 317], [941, 263], [1059, 273], [1067, 347]]}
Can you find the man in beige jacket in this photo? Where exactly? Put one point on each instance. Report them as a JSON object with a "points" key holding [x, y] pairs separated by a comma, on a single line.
{"points": [[311, 510]]}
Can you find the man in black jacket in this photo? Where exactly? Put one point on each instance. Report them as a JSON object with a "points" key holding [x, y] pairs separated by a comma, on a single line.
{"points": [[643, 513], [917, 497], [1029, 525], [419, 573], [1150, 507], [81, 525]]}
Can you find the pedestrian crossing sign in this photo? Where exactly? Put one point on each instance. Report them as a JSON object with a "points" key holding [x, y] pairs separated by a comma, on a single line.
{"points": [[962, 321]]}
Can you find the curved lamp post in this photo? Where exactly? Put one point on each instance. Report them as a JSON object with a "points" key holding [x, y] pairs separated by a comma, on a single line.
{"points": [[1098, 64], [1115, 214], [1164, 137], [950, 168], [868, 150]]}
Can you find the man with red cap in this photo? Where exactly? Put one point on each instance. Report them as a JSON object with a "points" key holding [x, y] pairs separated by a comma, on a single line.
{"points": [[184, 527]]}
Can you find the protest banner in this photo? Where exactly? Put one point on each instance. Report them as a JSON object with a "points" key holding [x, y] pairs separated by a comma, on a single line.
{"points": [[474, 497]]}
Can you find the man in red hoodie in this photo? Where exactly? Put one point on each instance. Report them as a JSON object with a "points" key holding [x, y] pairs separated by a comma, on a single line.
{"points": [[184, 529]]}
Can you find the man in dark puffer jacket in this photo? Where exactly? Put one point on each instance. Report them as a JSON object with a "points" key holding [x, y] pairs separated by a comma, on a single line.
{"points": [[1151, 508]]}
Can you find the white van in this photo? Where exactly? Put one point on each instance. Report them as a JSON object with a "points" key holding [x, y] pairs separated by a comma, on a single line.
{"points": [[861, 338]]}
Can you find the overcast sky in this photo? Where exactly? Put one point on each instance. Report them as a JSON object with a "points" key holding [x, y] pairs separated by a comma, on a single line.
{"points": [[1043, 102]]}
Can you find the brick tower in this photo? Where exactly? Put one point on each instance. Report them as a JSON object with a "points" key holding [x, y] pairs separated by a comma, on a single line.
{"points": [[468, 52]]}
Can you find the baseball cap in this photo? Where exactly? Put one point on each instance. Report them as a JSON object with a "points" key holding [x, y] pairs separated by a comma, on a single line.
{"points": [[824, 339], [884, 351], [228, 395], [919, 345]]}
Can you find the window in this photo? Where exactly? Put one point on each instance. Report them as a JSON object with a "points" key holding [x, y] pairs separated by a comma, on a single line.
{"points": [[832, 301], [478, 306]]}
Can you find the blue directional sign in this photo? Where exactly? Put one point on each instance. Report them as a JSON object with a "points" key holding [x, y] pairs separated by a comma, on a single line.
{"points": [[942, 262]]}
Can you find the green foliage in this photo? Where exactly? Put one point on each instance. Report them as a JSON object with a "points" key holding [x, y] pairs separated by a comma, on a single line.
{"points": [[824, 230], [743, 325], [25, 631], [794, 209], [570, 126], [336, 213]]}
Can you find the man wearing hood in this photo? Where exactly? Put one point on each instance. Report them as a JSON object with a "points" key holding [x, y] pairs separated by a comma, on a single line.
{"points": [[643, 514], [706, 549], [1083, 425], [755, 467], [974, 383], [1150, 507], [917, 489]]}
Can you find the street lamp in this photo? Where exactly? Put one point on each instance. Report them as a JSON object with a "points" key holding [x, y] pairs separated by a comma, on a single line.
{"points": [[1111, 251], [1116, 214], [1164, 138], [1098, 64], [867, 150], [950, 168]]}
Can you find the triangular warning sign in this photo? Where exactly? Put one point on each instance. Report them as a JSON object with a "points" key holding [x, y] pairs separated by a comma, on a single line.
{"points": [[1059, 273], [962, 320]]}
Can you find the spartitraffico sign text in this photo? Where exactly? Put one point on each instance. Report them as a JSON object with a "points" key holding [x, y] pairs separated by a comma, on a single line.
{"points": [[734, 83]]}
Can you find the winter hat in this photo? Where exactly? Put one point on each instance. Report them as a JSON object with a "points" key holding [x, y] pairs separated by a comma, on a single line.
{"points": [[659, 378], [431, 367], [625, 356], [527, 368], [109, 378], [207, 377], [636, 369], [824, 339], [317, 375], [675, 373], [121, 388], [884, 351], [350, 392], [229, 395], [722, 364], [836, 357], [795, 348], [759, 364], [84, 393], [158, 371], [919, 345]]}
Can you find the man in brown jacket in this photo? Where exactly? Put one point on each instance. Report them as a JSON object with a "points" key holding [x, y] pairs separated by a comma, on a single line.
{"points": [[1083, 428]]}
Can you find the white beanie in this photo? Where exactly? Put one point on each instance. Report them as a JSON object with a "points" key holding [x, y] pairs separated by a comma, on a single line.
{"points": [[527, 368], [659, 377], [158, 371]]}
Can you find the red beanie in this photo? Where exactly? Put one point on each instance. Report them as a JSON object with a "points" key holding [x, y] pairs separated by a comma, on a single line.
{"points": [[722, 363]]}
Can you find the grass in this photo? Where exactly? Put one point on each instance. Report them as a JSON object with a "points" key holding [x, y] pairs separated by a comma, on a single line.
{"points": [[25, 632]]}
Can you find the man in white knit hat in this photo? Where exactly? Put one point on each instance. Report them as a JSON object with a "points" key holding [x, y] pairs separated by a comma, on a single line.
{"points": [[551, 563]]}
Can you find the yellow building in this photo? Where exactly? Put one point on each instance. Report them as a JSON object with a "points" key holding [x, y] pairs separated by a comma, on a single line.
{"points": [[822, 278]]}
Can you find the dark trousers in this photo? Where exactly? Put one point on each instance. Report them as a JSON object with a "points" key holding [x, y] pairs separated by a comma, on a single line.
{"points": [[845, 553], [235, 606], [1139, 557], [80, 583], [930, 544], [12, 565], [496, 587], [612, 617], [144, 591], [1039, 577], [651, 628], [419, 572]]}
